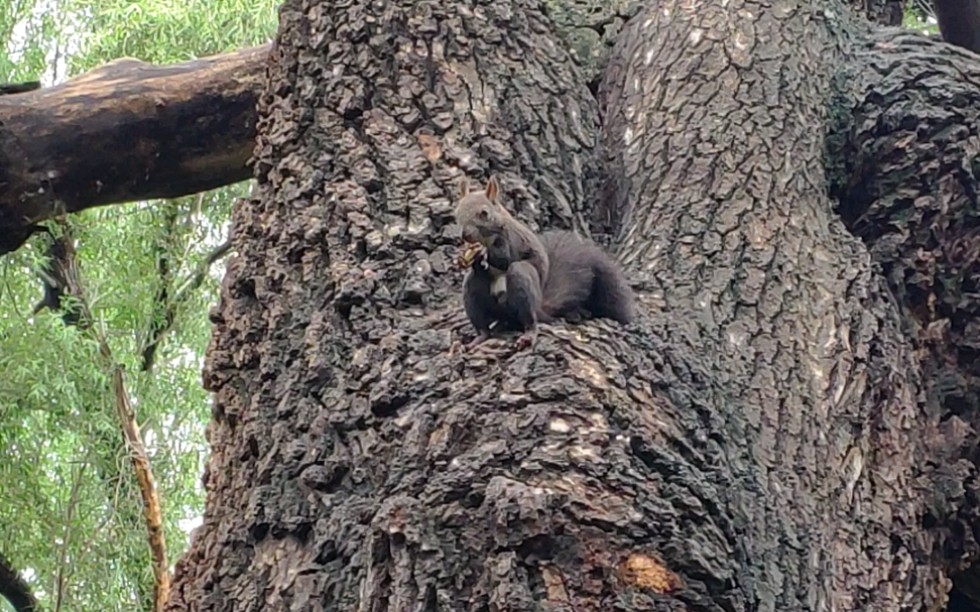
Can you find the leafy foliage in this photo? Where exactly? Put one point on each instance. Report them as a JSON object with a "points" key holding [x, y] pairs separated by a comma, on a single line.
{"points": [[919, 15], [70, 511]]}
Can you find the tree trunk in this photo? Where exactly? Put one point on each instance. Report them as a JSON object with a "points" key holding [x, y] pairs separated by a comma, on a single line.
{"points": [[790, 425]]}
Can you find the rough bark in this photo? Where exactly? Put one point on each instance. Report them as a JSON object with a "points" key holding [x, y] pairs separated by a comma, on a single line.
{"points": [[772, 435], [590, 28], [372, 120], [907, 185], [720, 187], [126, 131]]}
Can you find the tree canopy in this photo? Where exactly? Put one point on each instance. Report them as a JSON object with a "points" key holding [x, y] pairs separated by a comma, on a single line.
{"points": [[71, 519]]}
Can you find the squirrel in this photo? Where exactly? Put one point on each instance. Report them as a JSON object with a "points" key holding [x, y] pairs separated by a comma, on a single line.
{"points": [[517, 279]]}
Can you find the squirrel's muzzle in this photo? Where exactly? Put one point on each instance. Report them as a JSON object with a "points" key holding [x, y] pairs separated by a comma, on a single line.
{"points": [[470, 235]]}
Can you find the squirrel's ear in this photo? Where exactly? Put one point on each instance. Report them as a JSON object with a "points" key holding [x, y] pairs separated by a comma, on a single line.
{"points": [[463, 188], [492, 188]]}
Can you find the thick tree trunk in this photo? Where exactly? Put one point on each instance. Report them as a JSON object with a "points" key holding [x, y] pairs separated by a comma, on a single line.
{"points": [[808, 380], [907, 184], [770, 436], [126, 131]]}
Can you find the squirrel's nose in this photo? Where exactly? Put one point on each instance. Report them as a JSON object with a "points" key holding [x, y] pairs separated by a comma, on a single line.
{"points": [[469, 235]]}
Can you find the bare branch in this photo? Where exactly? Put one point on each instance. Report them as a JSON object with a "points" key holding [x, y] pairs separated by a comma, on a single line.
{"points": [[161, 324], [62, 577], [126, 131], [152, 515], [161, 317], [144, 476]]}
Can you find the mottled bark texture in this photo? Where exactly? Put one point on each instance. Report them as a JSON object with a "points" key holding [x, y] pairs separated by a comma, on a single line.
{"points": [[190, 127], [591, 27], [804, 468], [772, 435], [354, 458]]}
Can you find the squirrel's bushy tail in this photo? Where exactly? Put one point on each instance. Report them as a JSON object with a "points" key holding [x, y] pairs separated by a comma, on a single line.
{"points": [[611, 294], [570, 273], [583, 280]]}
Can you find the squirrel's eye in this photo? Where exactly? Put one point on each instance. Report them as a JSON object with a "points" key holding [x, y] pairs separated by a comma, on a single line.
{"points": [[484, 214]]}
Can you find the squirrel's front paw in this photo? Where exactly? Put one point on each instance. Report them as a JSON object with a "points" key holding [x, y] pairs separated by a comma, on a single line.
{"points": [[469, 254]]}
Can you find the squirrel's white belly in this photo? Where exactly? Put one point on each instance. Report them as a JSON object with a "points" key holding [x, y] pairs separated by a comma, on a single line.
{"points": [[498, 286]]}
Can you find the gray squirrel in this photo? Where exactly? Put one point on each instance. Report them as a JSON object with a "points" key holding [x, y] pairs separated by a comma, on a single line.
{"points": [[517, 279]]}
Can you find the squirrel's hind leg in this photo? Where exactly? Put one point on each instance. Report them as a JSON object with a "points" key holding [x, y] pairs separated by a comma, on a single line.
{"points": [[481, 307], [523, 294]]}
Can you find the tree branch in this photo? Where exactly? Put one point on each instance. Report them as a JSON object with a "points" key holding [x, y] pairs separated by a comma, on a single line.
{"points": [[55, 273], [959, 22], [126, 131], [161, 318], [903, 187], [144, 476], [152, 515], [13, 88], [166, 309], [62, 575], [15, 589]]}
